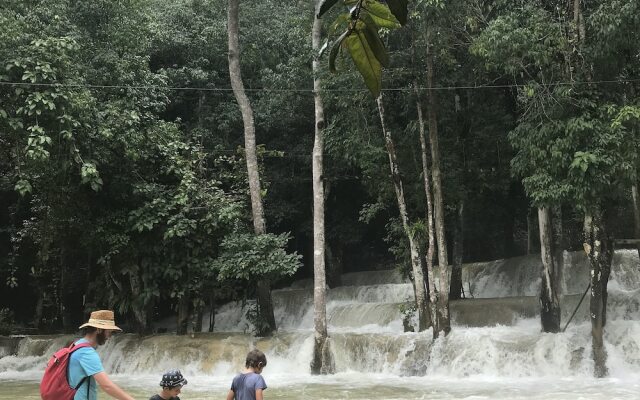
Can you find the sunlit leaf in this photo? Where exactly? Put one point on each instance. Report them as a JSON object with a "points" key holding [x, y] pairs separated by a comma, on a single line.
{"points": [[381, 14], [371, 33], [366, 62]]}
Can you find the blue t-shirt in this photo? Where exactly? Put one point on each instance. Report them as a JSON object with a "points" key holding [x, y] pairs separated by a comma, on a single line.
{"points": [[244, 386], [84, 362]]}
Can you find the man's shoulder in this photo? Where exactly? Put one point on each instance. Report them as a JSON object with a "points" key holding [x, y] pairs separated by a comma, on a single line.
{"points": [[85, 352]]}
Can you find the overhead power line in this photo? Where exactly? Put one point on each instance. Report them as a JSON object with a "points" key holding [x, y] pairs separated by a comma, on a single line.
{"points": [[307, 90]]}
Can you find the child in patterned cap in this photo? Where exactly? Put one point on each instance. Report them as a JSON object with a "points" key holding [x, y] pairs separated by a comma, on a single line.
{"points": [[171, 383]]}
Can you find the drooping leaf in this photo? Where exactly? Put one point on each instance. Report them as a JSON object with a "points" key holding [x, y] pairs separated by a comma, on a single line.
{"points": [[325, 6], [366, 62], [373, 38], [381, 14], [335, 49], [399, 8]]}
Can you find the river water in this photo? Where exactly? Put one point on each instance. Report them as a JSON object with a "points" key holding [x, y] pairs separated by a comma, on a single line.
{"points": [[495, 350]]}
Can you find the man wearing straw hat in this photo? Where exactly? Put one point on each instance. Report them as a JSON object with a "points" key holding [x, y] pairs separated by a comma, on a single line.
{"points": [[85, 362]]}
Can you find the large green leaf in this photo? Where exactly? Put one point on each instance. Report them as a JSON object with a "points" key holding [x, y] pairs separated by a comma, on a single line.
{"points": [[399, 8], [381, 14], [325, 6], [371, 33], [366, 62]]}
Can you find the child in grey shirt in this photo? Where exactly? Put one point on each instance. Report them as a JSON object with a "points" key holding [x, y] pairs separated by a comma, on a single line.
{"points": [[249, 384]]}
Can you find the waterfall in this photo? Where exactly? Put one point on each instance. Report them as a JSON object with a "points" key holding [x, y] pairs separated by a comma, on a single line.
{"points": [[496, 333]]}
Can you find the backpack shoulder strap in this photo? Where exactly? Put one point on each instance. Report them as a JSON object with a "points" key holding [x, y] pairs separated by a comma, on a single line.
{"points": [[73, 347]]}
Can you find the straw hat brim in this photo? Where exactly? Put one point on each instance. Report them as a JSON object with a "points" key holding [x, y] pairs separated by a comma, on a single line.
{"points": [[101, 325]]}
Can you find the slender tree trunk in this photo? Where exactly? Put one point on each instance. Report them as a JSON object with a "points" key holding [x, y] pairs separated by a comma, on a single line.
{"points": [[443, 299], [198, 317], [529, 232], [321, 362], [431, 244], [183, 315], [265, 306], [636, 212], [455, 289], [416, 267], [212, 312], [578, 20], [594, 238], [549, 303]]}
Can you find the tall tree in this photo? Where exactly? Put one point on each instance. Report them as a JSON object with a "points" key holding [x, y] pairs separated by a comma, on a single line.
{"points": [[431, 243], [444, 323], [265, 306], [321, 362], [416, 266]]}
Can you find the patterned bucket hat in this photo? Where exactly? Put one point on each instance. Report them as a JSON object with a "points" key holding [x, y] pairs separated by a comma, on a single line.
{"points": [[172, 379]]}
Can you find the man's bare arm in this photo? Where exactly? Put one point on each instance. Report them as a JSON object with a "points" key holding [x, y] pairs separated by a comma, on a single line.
{"points": [[111, 388]]}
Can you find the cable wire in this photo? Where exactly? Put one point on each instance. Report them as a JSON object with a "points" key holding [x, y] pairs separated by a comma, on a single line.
{"points": [[307, 90]]}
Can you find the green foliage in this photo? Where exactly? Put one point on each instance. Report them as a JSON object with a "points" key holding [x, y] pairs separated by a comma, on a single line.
{"points": [[361, 38], [252, 257]]}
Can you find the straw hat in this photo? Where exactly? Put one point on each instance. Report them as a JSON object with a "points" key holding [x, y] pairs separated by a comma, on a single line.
{"points": [[102, 319]]}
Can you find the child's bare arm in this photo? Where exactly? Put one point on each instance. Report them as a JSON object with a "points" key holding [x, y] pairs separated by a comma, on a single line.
{"points": [[230, 395], [258, 394]]}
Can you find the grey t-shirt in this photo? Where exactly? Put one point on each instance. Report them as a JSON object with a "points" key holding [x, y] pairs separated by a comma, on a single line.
{"points": [[244, 386], [157, 397]]}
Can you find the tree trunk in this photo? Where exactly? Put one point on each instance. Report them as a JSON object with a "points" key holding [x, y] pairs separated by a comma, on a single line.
{"points": [[594, 238], [321, 362], [578, 20], [198, 317], [431, 244], [636, 212], [182, 322], [212, 312], [455, 289], [443, 299], [416, 267], [549, 304], [265, 308], [530, 232]]}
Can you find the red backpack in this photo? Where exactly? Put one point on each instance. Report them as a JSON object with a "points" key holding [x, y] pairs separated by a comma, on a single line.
{"points": [[55, 382]]}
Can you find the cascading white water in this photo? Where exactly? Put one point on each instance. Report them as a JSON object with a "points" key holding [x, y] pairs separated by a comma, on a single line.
{"points": [[496, 349]]}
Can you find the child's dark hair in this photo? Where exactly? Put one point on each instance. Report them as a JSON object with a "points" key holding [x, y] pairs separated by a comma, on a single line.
{"points": [[256, 359]]}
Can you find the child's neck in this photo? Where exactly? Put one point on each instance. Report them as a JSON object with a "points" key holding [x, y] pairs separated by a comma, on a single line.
{"points": [[165, 396], [252, 369]]}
